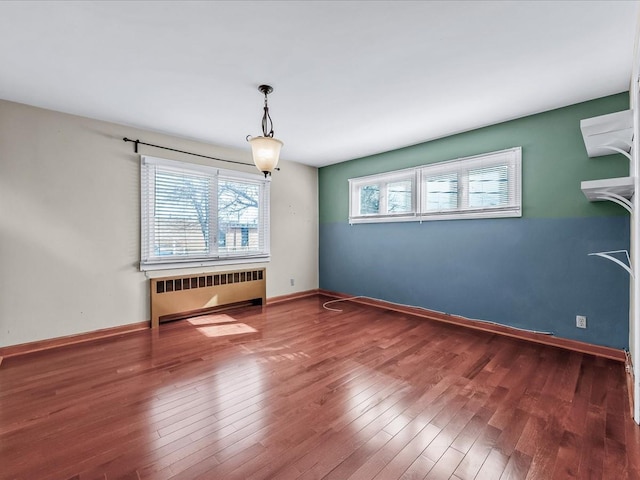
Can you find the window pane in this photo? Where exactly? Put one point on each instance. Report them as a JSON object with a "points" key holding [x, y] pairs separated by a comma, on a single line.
{"points": [[370, 199], [182, 205], [488, 187], [238, 216], [399, 197], [481, 186], [441, 192], [181, 214]]}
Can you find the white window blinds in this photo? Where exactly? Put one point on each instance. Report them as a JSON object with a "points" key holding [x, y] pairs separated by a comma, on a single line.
{"points": [[197, 215], [487, 185], [481, 186]]}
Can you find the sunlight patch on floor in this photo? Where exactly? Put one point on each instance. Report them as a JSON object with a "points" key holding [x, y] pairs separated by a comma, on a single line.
{"points": [[220, 325], [209, 319]]}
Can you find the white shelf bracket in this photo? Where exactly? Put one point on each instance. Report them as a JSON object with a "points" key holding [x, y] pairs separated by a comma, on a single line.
{"points": [[609, 256], [619, 150], [615, 198]]}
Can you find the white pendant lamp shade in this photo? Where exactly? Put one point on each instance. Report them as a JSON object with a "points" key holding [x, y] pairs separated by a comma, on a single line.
{"points": [[266, 153], [265, 149]]}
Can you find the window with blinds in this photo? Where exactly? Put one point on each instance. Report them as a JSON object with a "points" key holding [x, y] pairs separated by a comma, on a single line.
{"points": [[482, 186], [195, 215]]}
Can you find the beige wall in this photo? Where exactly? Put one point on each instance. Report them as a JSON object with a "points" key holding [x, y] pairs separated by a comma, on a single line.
{"points": [[70, 223]]}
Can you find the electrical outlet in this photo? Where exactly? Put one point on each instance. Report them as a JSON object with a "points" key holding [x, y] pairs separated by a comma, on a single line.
{"points": [[581, 321], [293, 282]]}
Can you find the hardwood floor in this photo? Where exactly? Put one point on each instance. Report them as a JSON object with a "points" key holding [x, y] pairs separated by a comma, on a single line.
{"points": [[293, 391]]}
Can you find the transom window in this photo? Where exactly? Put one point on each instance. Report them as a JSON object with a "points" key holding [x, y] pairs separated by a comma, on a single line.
{"points": [[481, 186], [194, 215], [388, 196]]}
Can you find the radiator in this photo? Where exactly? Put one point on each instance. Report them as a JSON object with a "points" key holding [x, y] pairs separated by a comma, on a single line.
{"points": [[175, 297]]}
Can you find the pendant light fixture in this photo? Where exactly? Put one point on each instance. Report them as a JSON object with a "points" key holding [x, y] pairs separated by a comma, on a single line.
{"points": [[265, 149]]}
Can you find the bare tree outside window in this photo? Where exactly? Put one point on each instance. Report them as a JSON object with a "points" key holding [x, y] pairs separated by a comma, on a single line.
{"points": [[238, 215], [399, 196], [370, 199], [182, 213]]}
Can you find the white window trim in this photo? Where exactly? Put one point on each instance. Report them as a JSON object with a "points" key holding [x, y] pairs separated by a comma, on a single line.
{"points": [[384, 179], [512, 157], [152, 264]]}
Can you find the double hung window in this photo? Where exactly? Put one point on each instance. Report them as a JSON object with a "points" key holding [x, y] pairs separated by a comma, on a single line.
{"points": [[195, 215]]}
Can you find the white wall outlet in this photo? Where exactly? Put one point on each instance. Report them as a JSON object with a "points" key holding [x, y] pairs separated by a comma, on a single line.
{"points": [[581, 321], [293, 282]]}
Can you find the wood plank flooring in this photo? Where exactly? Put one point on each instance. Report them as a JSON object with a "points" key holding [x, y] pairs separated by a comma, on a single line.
{"points": [[294, 391]]}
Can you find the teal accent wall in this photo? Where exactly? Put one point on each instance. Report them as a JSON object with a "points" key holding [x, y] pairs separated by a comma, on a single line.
{"points": [[532, 272], [554, 161]]}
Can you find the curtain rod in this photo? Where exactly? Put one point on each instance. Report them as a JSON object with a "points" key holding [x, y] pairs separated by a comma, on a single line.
{"points": [[138, 142]]}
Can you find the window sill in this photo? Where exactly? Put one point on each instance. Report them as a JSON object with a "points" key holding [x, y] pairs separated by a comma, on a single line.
{"points": [[152, 266], [440, 216]]}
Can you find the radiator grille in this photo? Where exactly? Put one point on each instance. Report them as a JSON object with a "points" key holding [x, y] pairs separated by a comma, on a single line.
{"points": [[202, 281], [180, 296]]}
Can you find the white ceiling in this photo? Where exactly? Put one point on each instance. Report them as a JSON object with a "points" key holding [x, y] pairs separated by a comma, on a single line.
{"points": [[351, 78]]}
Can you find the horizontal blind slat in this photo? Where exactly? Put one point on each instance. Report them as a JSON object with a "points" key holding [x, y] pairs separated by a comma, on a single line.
{"points": [[182, 216]]}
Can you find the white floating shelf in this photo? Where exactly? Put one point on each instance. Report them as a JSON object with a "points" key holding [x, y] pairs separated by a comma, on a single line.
{"points": [[614, 130], [593, 189]]}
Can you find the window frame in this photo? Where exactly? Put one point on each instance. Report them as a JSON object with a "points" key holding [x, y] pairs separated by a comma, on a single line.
{"points": [[355, 184], [214, 256], [511, 158]]}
